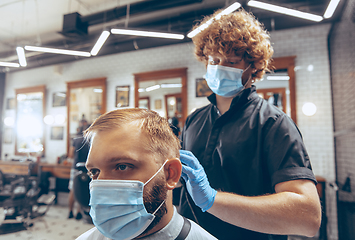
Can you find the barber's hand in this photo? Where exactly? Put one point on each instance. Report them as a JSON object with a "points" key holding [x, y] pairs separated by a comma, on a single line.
{"points": [[196, 181]]}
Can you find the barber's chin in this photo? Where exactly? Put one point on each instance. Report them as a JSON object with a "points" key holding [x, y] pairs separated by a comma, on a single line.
{"points": [[228, 96]]}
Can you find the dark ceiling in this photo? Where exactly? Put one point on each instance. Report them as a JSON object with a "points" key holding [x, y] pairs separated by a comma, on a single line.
{"points": [[176, 16]]}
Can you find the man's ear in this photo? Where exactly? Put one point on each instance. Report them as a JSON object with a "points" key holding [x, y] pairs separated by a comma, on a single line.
{"points": [[173, 172]]}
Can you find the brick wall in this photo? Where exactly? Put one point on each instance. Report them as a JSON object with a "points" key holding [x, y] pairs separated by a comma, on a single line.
{"points": [[343, 84], [2, 105], [309, 45], [342, 48]]}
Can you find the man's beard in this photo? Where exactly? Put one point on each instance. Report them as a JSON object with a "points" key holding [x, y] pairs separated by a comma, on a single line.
{"points": [[153, 199]]}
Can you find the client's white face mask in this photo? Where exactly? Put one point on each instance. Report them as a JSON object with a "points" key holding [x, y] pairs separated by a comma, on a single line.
{"points": [[117, 207]]}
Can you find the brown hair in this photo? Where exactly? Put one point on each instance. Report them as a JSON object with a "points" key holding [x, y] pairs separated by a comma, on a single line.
{"points": [[239, 34], [161, 139]]}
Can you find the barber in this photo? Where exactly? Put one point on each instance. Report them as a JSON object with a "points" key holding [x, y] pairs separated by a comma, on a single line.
{"points": [[247, 172]]}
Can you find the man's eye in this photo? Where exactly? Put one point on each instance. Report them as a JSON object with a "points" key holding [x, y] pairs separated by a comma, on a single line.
{"points": [[122, 167], [93, 173], [234, 62]]}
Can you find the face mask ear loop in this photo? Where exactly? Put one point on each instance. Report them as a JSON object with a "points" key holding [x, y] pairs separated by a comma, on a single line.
{"points": [[246, 84], [158, 207], [156, 173]]}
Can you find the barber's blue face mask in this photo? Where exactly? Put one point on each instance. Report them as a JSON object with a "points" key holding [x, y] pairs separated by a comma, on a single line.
{"points": [[117, 207], [224, 81]]}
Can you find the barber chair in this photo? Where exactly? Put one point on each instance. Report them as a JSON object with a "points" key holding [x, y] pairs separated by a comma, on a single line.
{"points": [[81, 190], [21, 201]]}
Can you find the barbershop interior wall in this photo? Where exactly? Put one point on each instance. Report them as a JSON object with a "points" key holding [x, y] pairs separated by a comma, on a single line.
{"points": [[118, 69], [342, 48], [309, 45]]}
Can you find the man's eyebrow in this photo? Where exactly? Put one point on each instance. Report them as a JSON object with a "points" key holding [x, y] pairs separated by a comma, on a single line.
{"points": [[122, 158], [117, 159]]}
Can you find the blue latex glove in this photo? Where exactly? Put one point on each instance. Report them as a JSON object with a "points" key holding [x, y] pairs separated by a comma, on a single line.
{"points": [[196, 181]]}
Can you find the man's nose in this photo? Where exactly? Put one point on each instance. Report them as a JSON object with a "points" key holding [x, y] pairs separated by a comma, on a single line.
{"points": [[105, 176]]}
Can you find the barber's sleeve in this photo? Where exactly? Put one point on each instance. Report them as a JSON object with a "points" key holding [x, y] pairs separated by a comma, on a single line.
{"points": [[287, 158], [182, 136]]}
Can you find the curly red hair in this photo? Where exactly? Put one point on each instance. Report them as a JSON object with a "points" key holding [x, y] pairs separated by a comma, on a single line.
{"points": [[235, 34]]}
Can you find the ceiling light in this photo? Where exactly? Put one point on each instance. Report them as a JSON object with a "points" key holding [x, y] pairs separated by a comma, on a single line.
{"points": [[8, 64], [21, 56], [226, 11], [271, 78], [100, 42], [147, 33], [331, 8], [98, 90], [171, 85], [155, 87], [286, 11], [58, 51]]}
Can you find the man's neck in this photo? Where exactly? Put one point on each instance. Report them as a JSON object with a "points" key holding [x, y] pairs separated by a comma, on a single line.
{"points": [[223, 103]]}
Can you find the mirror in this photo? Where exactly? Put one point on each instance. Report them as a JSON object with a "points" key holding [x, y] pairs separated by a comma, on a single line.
{"points": [[144, 102], [174, 106], [163, 91], [279, 87], [30, 106], [86, 101]]}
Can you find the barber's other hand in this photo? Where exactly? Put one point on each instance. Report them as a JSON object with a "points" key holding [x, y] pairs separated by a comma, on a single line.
{"points": [[196, 181]]}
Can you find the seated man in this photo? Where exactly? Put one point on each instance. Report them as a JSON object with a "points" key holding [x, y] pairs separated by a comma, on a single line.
{"points": [[134, 164], [78, 152]]}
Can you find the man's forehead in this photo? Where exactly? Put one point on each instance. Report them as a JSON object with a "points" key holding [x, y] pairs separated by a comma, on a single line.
{"points": [[134, 127], [128, 140]]}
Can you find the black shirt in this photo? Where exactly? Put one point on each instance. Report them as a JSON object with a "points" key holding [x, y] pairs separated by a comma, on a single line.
{"points": [[247, 151]]}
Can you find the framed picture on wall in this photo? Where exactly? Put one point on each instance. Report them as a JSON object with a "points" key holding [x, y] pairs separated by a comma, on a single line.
{"points": [[74, 117], [122, 96], [73, 97], [8, 135], [202, 89], [10, 103], [157, 104], [57, 133], [59, 99]]}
